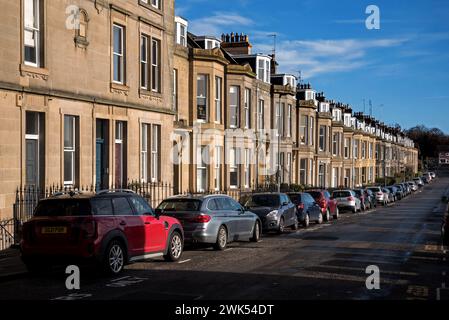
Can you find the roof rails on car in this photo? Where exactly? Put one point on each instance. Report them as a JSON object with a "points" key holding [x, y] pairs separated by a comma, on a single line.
{"points": [[106, 191], [71, 193]]}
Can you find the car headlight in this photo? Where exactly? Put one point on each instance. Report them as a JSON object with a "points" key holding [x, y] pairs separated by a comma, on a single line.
{"points": [[272, 214]]}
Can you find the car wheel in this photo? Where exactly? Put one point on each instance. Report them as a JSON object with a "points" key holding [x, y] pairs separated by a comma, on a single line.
{"points": [[222, 239], [354, 210], [306, 222], [115, 258], [327, 217], [175, 247], [320, 219], [281, 227], [337, 214], [295, 226], [256, 233]]}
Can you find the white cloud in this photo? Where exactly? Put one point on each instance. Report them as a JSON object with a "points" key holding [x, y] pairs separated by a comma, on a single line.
{"points": [[316, 57], [218, 23]]}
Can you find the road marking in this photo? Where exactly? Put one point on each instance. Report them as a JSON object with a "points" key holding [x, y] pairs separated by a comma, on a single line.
{"points": [[184, 261], [119, 279]]}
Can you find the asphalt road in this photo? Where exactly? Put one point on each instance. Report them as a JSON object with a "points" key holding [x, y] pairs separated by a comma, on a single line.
{"points": [[323, 262]]}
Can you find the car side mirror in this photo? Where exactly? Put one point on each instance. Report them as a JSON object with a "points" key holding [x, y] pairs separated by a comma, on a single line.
{"points": [[158, 213], [285, 204]]}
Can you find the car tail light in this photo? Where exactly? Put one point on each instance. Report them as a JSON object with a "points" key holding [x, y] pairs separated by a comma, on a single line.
{"points": [[350, 198], [202, 218], [301, 206], [379, 193], [323, 202], [89, 229]]}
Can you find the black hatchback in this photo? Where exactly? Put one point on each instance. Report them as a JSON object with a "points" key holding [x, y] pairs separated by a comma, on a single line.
{"points": [[306, 208]]}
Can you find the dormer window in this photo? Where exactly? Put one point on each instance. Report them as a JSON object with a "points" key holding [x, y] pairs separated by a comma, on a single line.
{"points": [[263, 69], [347, 120], [181, 31], [211, 44], [336, 115], [290, 80], [324, 107]]}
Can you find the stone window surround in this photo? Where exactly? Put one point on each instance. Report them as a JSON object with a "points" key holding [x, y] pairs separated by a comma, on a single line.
{"points": [[149, 6]]}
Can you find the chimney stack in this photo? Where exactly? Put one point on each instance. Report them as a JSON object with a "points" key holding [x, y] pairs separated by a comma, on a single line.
{"points": [[236, 43]]}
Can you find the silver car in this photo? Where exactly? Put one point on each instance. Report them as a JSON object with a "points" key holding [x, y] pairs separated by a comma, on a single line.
{"points": [[212, 219], [381, 197], [347, 199]]}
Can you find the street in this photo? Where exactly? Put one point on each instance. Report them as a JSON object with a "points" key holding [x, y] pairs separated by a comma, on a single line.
{"points": [[326, 261]]}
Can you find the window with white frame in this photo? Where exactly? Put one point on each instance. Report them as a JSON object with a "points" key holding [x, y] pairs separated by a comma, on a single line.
{"points": [[247, 108], [155, 65], [33, 33], [277, 118], [289, 121], [363, 149], [201, 168], [175, 89], [70, 149], [201, 96], [233, 168], [144, 148], [218, 98], [303, 172], [356, 149], [119, 54], [144, 55], [263, 69], [234, 106], [347, 142], [289, 168], [303, 129], [370, 150], [335, 144], [312, 130], [282, 120], [218, 164], [247, 168], [181, 31], [260, 114], [322, 138], [155, 153]]}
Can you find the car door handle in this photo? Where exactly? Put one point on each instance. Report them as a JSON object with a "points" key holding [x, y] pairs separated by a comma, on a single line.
{"points": [[123, 223], [147, 222]]}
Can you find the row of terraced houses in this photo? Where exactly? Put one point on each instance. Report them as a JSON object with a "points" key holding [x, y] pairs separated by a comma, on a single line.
{"points": [[125, 92]]}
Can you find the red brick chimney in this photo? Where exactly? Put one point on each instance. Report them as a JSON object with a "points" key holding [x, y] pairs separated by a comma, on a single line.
{"points": [[236, 44]]}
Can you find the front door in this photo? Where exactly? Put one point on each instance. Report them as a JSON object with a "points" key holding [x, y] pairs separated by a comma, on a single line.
{"points": [[101, 155], [32, 162]]}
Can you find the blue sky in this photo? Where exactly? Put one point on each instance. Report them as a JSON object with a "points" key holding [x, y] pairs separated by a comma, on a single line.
{"points": [[403, 68]]}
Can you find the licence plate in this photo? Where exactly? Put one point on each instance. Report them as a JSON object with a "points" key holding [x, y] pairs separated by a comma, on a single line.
{"points": [[54, 230]]}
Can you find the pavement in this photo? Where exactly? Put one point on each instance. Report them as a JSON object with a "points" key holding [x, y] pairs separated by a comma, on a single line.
{"points": [[324, 262]]}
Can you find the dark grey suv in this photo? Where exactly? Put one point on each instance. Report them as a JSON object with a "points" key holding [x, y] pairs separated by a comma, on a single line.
{"points": [[212, 219], [276, 210]]}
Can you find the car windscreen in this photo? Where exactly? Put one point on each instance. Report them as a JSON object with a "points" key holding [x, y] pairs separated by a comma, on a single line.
{"points": [[63, 208], [265, 200], [180, 205], [358, 192], [341, 194]]}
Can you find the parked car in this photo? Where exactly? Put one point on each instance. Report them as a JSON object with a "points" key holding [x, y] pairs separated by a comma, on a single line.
{"points": [[402, 193], [445, 230], [327, 204], [381, 197], [275, 210], [371, 198], [394, 193], [419, 182], [347, 200], [425, 179], [306, 208], [433, 175], [213, 219], [364, 201], [109, 229], [413, 186]]}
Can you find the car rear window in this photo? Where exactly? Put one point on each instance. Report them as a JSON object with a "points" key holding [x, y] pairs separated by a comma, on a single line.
{"points": [[341, 194], [63, 208], [295, 198], [264, 200], [358, 192], [180, 205], [315, 194]]}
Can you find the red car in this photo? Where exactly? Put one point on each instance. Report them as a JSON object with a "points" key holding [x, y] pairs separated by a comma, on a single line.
{"points": [[328, 206], [109, 229]]}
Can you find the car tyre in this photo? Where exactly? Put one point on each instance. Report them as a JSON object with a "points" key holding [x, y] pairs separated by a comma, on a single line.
{"points": [[222, 239], [327, 217], [320, 219], [114, 260], [337, 214], [256, 232], [175, 247], [306, 222], [295, 226], [281, 227]]}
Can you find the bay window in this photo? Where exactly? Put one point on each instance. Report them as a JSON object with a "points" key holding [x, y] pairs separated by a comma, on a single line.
{"points": [[234, 106], [202, 92]]}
